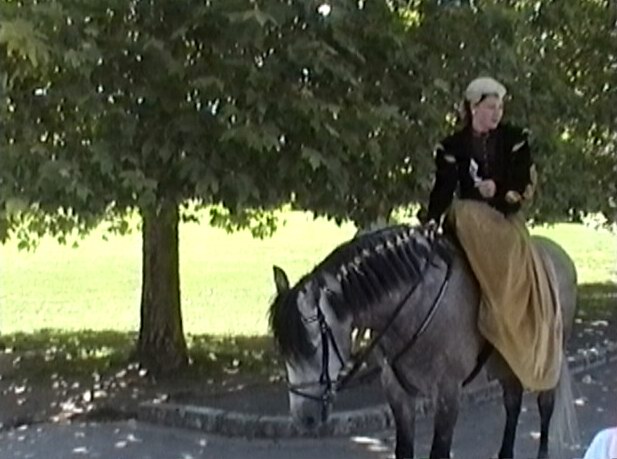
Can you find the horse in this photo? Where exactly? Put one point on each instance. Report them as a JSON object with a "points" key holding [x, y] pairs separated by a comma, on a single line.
{"points": [[418, 296]]}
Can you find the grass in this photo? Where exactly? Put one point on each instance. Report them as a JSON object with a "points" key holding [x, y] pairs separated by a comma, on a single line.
{"points": [[594, 251], [226, 280]]}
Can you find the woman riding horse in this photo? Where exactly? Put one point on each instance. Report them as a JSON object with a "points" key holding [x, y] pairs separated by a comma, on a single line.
{"points": [[490, 166], [420, 298]]}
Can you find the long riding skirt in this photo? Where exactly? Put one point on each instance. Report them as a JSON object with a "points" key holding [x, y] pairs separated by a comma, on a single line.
{"points": [[519, 312]]}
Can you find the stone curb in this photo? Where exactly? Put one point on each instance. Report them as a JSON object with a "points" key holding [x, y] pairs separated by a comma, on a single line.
{"points": [[342, 423]]}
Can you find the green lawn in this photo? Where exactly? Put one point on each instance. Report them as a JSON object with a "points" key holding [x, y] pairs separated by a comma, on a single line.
{"points": [[226, 280]]}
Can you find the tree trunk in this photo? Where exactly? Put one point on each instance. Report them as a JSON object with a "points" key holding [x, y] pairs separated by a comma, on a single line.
{"points": [[161, 347]]}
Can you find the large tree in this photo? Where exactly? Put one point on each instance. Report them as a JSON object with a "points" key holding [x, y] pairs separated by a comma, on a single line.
{"points": [[148, 105], [114, 107]]}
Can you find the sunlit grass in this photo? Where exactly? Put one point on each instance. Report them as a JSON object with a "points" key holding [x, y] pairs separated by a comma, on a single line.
{"points": [[226, 280], [593, 251]]}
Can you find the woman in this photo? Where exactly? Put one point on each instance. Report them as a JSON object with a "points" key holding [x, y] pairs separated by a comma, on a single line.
{"points": [[488, 164], [477, 159]]}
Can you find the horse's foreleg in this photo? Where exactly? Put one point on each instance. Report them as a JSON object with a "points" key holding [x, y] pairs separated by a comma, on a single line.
{"points": [[405, 420], [403, 406], [446, 414], [546, 405], [512, 399]]}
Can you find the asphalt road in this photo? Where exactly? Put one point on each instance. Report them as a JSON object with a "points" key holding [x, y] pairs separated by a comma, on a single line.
{"points": [[477, 436]]}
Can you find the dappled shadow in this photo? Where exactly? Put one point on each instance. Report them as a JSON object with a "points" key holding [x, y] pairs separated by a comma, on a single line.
{"points": [[596, 318], [55, 375], [597, 295]]}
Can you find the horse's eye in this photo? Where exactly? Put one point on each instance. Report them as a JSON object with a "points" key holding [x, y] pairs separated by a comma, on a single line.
{"points": [[310, 319]]}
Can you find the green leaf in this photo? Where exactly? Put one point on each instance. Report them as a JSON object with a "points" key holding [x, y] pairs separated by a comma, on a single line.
{"points": [[15, 205], [209, 82], [314, 157], [4, 229], [255, 14], [22, 39]]}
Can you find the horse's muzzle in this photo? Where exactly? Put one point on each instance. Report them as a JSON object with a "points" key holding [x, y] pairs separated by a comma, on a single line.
{"points": [[309, 415]]}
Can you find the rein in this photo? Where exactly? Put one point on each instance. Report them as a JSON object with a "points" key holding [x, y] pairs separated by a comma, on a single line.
{"points": [[427, 318], [343, 382], [327, 337]]}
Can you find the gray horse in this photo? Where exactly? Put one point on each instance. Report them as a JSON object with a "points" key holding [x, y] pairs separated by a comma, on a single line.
{"points": [[420, 299]]}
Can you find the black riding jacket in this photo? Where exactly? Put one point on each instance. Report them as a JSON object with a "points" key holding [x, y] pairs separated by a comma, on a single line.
{"points": [[502, 155]]}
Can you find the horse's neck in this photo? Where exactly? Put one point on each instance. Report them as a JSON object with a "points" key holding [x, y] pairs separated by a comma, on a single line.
{"points": [[407, 306], [431, 261]]}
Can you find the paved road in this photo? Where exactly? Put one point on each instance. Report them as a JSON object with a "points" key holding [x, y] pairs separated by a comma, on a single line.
{"points": [[477, 436]]}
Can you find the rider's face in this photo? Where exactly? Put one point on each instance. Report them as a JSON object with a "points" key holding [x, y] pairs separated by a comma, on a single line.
{"points": [[487, 113]]}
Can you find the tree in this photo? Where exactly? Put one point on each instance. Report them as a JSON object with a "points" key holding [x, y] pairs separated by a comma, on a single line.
{"points": [[148, 105], [243, 106]]}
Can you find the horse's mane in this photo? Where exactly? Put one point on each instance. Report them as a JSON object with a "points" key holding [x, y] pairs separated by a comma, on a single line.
{"points": [[366, 269]]}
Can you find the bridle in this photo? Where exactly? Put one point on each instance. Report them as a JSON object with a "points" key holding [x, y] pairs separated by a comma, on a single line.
{"points": [[331, 387], [325, 381]]}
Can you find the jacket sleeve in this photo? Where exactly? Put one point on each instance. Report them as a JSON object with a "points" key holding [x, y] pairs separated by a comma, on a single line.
{"points": [[520, 173], [446, 178], [519, 183]]}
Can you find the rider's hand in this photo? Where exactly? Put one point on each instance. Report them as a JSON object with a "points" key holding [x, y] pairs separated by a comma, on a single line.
{"points": [[430, 228], [513, 197], [486, 188]]}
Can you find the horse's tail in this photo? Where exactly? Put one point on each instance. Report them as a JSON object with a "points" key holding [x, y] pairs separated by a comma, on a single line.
{"points": [[565, 433]]}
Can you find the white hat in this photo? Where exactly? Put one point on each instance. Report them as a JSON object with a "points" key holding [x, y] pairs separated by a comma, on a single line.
{"points": [[484, 86]]}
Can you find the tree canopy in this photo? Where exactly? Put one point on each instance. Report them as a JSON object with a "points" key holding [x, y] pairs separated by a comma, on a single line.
{"points": [[254, 104]]}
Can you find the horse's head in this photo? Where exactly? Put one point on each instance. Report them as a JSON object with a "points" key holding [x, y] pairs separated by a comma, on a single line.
{"points": [[315, 342]]}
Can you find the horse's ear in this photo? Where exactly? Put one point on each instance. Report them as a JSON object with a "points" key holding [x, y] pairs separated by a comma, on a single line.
{"points": [[280, 280]]}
